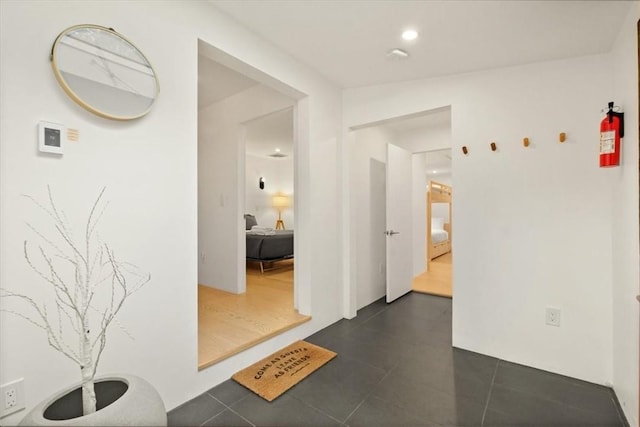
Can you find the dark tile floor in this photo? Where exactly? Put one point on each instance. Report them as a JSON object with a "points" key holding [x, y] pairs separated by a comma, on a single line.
{"points": [[396, 367]]}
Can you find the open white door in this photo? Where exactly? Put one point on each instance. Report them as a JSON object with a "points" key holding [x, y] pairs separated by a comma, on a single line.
{"points": [[399, 223]]}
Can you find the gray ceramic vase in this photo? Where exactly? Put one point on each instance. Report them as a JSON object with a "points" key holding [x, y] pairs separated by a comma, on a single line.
{"points": [[123, 400]]}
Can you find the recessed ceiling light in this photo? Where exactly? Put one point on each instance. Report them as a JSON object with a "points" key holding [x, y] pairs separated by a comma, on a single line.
{"points": [[397, 54], [277, 154], [435, 171], [409, 35]]}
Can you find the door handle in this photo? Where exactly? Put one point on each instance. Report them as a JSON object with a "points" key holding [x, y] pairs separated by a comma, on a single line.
{"points": [[391, 232]]}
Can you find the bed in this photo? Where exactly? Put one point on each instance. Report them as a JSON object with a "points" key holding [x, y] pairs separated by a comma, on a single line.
{"points": [[266, 245], [440, 242], [438, 229]]}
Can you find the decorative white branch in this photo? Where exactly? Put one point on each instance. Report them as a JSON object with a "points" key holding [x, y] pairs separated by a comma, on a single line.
{"points": [[99, 286]]}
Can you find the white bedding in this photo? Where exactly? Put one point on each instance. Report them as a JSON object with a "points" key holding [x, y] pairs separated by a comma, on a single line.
{"points": [[262, 231], [438, 236]]}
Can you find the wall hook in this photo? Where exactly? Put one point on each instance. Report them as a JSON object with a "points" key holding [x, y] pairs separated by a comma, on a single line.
{"points": [[562, 137], [464, 149], [493, 146], [525, 142]]}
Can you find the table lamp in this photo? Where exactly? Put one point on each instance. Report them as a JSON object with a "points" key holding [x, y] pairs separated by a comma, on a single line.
{"points": [[279, 202]]}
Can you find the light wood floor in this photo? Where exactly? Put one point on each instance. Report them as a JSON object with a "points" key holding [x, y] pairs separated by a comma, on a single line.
{"points": [[437, 281], [230, 323]]}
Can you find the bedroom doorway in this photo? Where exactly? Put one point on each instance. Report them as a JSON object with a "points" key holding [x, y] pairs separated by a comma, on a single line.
{"points": [[423, 134], [437, 277], [248, 130]]}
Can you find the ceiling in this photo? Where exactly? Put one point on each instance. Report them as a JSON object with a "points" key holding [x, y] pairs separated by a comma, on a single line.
{"points": [[272, 131], [347, 40], [438, 163], [409, 130], [264, 134], [438, 117], [217, 82]]}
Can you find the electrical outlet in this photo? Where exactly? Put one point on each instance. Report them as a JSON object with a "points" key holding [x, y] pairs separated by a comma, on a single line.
{"points": [[12, 397], [553, 316]]}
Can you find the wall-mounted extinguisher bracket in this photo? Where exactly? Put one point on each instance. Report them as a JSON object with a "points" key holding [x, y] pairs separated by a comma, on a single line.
{"points": [[611, 131], [620, 115], [610, 112]]}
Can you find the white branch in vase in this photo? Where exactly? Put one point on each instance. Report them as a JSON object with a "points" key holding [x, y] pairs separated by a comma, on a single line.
{"points": [[99, 286]]}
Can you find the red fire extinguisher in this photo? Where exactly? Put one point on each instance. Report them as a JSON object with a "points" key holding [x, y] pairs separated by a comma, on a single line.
{"points": [[611, 130]]}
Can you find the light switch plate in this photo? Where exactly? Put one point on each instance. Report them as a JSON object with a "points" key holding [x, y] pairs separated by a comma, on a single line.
{"points": [[552, 316], [51, 137]]}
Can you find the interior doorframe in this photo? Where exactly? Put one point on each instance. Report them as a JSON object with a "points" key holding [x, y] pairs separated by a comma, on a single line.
{"points": [[348, 270], [302, 187]]}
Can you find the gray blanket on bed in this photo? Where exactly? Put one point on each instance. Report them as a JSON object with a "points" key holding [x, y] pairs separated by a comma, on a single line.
{"points": [[266, 248]]}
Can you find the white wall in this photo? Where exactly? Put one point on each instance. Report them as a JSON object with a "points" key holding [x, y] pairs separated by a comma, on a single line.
{"points": [[278, 176], [625, 223], [150, 168], [441, 178], [370, 246], [221, 189], [429, 138], [533, 226], [377, 215]]}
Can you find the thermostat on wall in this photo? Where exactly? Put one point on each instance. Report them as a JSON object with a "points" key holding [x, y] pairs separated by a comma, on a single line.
{"points": [[51, 137]]}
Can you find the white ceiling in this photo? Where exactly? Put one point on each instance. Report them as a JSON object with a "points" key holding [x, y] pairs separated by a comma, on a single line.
{"points": [[267, 133], [418, 133], [217, 82], [347, 40], [264, 134], [438, 163], [439, 117]]}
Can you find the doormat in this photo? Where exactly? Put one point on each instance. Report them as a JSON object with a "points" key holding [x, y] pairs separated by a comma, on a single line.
{"points": [[277, 373]]}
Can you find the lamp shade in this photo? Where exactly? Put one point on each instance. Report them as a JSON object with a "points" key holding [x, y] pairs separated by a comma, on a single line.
{"points": [[280, 201]]}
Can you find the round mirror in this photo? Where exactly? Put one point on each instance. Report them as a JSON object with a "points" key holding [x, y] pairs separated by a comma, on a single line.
{"points": [[104, 72]]}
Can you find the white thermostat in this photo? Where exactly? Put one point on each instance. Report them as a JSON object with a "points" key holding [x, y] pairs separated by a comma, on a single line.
{"points": [[51, 137]]}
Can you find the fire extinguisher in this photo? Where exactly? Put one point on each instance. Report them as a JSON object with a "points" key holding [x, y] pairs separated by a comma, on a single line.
{"points": [[611, 130]]}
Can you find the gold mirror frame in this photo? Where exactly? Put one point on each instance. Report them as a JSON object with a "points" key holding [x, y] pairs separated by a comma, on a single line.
{"points": [[103, 72]]}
